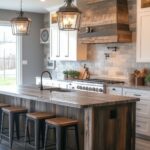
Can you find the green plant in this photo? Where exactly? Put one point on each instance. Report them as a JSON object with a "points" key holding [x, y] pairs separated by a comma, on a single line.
{"points": [[147, 78], [73, 73]]}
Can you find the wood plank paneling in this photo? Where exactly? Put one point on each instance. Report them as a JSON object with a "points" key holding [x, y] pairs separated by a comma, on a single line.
{"points": [[100, 128]]}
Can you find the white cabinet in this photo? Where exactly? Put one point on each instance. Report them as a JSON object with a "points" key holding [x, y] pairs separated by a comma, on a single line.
{"points": [[143, 33], [143, 37], [64, 45], [54, 43], [114, 90], [142, 144], [142, 110]]}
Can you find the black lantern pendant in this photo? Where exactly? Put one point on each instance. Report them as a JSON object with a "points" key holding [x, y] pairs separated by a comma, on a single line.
{"points": [[21, 25], [69, 16]]}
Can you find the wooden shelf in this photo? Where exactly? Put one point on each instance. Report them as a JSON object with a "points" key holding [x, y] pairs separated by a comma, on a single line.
{"points": [[94, 1]]}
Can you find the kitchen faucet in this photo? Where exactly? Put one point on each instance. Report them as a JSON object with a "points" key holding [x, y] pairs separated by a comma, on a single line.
{"points": [[50, 76]]}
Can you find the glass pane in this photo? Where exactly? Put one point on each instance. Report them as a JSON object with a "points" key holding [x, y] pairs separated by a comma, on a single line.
{"points": [[7, 56]]}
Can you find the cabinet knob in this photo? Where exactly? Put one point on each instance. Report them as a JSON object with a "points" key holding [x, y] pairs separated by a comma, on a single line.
{"points": [[137, 95]]}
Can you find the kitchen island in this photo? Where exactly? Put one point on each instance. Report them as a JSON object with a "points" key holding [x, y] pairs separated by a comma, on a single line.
{"points": [[106, 122]]}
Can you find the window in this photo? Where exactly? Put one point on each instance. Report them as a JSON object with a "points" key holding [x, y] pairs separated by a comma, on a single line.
{"points": [[9, 44]]}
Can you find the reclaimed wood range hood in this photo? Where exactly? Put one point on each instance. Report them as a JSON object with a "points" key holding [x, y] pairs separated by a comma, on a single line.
{"points": [[104, 21]]}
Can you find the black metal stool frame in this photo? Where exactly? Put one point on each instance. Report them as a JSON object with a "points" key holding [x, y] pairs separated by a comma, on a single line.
{"points": [[61, 136], [38, 124], [13, 119]]}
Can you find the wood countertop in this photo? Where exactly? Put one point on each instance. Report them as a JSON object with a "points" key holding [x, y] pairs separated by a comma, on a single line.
{"points": [[67, 98]]}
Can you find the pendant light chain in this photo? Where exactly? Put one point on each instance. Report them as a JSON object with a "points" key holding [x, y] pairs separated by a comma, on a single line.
{"points": [[21, 25]]}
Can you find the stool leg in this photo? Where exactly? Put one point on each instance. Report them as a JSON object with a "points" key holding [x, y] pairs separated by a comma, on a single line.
{"points": [[17, 126], [42, 131], [0, 116], [46, 132], [60, 138], [26, 126], [1, 130], [28, 133], [37, 137], [77, 137], [11, 129]]}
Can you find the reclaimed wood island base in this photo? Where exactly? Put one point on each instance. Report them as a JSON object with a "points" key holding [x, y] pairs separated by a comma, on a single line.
{"points": [[106, 122]]}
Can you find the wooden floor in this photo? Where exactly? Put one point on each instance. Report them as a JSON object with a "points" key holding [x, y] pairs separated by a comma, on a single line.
{"points": [[141, 145]]}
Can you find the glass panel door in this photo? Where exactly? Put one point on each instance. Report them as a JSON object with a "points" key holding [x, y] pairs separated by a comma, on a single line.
{"points": [[8, 46]]}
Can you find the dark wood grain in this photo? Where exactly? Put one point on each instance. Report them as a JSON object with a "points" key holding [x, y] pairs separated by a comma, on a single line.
{"points": [[105, 17]]}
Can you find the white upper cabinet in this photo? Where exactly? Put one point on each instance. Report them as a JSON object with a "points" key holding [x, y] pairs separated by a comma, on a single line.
{"points": [[64, 45], [143, 31]]}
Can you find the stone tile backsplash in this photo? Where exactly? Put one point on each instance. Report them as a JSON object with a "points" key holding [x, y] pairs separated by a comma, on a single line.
{"points": [[118, 65]]}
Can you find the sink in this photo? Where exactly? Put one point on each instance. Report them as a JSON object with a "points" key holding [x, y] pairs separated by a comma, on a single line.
{"points": [[55, 89]]}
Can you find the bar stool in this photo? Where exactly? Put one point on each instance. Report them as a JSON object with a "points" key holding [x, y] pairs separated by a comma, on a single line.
{"points": [[39, 125], [1, 106], [61, 125], [13, 113]]}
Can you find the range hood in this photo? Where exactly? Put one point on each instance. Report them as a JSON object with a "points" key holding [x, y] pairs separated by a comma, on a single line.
{"points": [[104, 21]]}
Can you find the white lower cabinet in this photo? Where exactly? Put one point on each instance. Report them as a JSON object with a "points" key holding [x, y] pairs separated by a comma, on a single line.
{"points": [[143, 126], [114, 90], [142, 144], [142, 110]]}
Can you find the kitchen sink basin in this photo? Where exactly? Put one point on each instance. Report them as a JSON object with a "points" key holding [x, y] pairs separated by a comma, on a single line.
{"points": [[53, 89]]}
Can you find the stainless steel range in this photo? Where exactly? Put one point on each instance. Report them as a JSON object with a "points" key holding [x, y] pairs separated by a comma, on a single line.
{"points": [[92, 85]]}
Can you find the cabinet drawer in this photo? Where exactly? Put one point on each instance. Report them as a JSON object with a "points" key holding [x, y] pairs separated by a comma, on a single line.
{"points": [[114, 90], [137, 93], [142, 147], [143, 108], [143, 126], [142, 144]]}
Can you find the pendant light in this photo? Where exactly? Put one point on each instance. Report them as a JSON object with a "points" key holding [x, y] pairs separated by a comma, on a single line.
{"points": [[69, 16], [21, 25]]}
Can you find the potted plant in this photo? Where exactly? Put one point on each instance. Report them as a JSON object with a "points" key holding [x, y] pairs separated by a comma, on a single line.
{"points": [[72, 74], [147, 80], [65, 74]]}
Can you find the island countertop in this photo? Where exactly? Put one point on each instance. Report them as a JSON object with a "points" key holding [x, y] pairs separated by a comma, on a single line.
{"points": [[67, 98]]}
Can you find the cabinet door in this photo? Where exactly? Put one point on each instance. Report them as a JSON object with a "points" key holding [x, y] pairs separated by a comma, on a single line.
{"points": [[54, 43], [143, 126], [73, 45], [63, 45], [114, 90], [142, 144], [143, 37]]}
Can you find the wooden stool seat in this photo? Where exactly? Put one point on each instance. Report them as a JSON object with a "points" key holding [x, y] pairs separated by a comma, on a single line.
{"points": [[61, 121], [61, 125], [40, 115], [14, 109], [4, 105]]}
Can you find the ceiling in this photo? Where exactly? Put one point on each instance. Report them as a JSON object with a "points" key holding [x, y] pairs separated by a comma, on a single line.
{"points": [[31, 5]]}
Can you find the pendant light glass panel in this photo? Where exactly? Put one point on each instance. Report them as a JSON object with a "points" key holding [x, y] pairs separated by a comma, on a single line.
{"points": [[21, 26], [69, 16], [69, 20]]}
